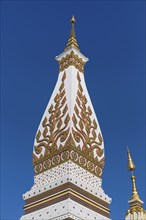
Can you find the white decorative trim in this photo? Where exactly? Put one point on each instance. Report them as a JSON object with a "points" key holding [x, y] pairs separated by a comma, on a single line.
{"points": [[62, 210], [67, 172], [59, 57]]}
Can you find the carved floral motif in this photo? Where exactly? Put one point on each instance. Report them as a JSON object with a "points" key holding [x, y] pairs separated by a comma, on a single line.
{"points": [[55, 128], [71, 59], [84, 129], [57, 142]]}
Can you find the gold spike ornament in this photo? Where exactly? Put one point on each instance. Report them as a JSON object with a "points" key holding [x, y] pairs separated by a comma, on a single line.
{"points": [[131, 165], [72, 42]]}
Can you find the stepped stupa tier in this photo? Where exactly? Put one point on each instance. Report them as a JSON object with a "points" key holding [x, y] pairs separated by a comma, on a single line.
{"points": [[68, 153]]}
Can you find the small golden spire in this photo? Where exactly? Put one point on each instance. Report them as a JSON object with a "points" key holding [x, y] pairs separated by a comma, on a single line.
{"points": [[134, 190], [73, 20], [136, 211], [72, 39], [131, 165]]}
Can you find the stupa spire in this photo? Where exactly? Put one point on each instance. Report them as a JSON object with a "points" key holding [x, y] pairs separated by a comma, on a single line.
{"points": [[131, 167], [72, 42], [68, 152], [136, 211]]}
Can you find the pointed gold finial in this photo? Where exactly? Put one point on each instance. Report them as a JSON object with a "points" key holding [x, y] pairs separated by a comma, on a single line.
{"points": [[73, 20], [131, 165], [72, 42]]}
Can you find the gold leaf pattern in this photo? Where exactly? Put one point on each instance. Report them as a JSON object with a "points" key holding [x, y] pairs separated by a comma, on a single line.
{"points": [[57, 143], [54, 127], [84, 130], [73, 153], [71, 59]]}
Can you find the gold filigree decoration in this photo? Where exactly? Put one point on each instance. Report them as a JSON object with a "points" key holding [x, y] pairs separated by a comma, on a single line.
{"points": [[64, 156], [69, 152], [71, 59], [84, 130], [58, 143], [55, 128]]}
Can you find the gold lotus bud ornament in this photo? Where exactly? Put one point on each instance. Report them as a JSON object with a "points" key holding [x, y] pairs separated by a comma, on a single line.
{"points": [[131, 165]]}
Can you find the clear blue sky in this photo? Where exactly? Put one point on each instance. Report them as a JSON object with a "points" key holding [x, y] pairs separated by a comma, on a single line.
{"points": [[112, 35]]}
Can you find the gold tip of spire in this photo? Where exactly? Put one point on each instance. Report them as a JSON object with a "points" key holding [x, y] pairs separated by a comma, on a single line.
{"points": [[72, 42], [131, 165], [73, 20]]}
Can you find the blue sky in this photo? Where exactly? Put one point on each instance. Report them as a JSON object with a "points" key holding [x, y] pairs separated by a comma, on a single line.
{"points": [[112, 35]]}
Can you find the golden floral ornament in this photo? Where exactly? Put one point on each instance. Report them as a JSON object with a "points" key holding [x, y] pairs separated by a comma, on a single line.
{"points": [[71, 59], [67, 136], [82, 161], [55, 128], [74, 156], [38, 168], [47, 164], [70, 152], [98, 171], [90, 165], [56, 160], [84, 129], [65, 156]]}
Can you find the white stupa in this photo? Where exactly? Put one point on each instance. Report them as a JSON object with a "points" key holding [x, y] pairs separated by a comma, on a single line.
{"points": [[68, 153]]}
